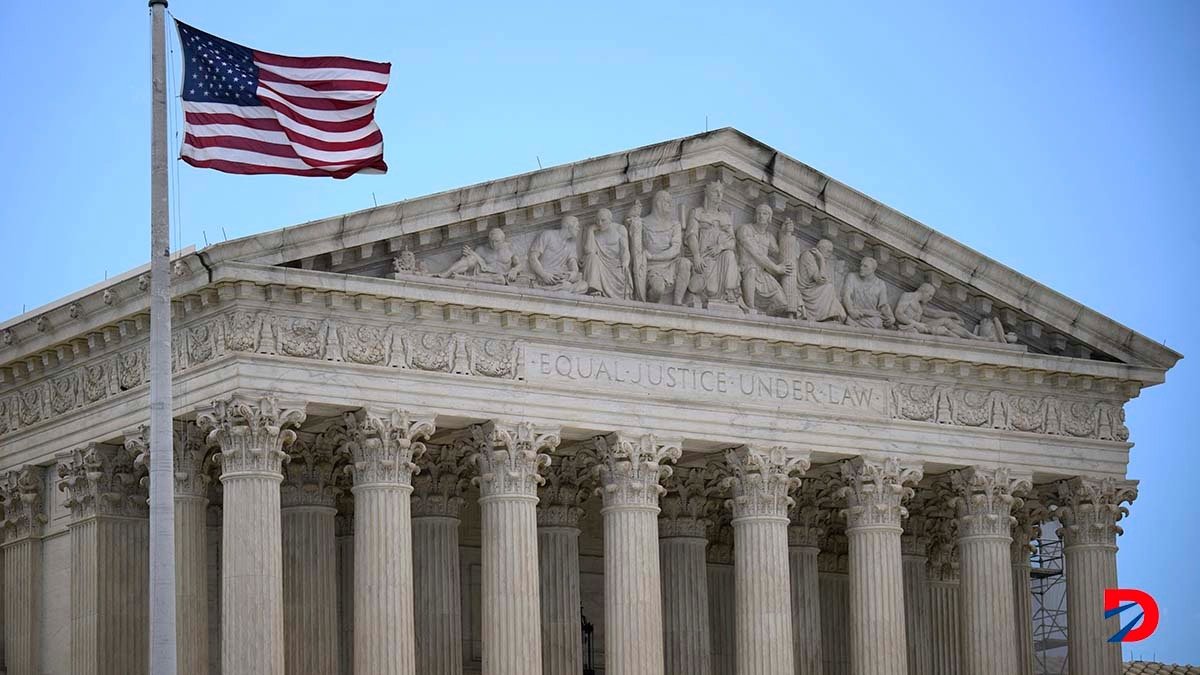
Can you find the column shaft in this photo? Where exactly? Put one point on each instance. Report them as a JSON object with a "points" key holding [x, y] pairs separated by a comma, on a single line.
{"points": [[944, 620], [988, 644], [877, 633], [213, 579], [251, 575], [917, 626], [632, 593], [438, 595], [383, 588], [110, 578], [22, 605], [310, 590], [1023, 612], [835, 622], [764, 610], [721, 613], [806, 609], [687, 643], [1090, 569], [512, 640], [345, 565], [558, 564], [191, 584]]}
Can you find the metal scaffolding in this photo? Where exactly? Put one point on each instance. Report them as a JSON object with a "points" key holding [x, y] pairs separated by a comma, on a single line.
{"points": [[1049, 604]]}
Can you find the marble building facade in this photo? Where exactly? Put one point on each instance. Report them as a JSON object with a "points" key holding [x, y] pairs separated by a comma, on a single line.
{"points": [[741, 417]]}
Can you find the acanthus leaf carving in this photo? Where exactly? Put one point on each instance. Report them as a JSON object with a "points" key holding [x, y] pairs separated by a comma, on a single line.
{"points": [[309, 475], [686, 504], [1090, 509], [983, 500], [569, 482], [439, 486], [511, 457], [875, 491], [22, 494], [101, 480], [760, 480], [632, 466], [383, 444], [251, 432]]}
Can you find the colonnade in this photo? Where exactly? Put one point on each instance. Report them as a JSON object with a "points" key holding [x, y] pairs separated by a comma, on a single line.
{"points": [[744, 546]]}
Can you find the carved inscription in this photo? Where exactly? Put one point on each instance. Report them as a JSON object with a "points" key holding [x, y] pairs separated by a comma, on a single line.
{"points": [[677, 378]]}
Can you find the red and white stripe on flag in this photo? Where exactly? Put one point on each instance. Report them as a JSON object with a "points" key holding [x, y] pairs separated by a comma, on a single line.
{"points": [[251, 112]]}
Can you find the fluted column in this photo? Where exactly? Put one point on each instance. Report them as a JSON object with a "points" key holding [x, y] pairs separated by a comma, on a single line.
{"points": [[914, 555], [344, 531], [1089, 510], [721, 606], [809, 525], [110, 564], [382, 445], [983, 500], [251, 434], [191, 540], [759, 482], [559, 510], [1029, 514], [942, 571], [631, 468], [212, 579], [436, 505], [510, 460], [310, 583], [874, 494], [687, 642], [22, 491]]}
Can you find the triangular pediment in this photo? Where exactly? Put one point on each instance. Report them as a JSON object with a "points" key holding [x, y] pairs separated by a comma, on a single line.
{"points": [[426, 237]]}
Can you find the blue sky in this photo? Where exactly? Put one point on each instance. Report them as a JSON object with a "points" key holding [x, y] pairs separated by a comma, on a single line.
{"points": [[1059, 138]]}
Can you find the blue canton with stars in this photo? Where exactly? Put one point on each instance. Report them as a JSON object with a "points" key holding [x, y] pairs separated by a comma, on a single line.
{"points": [[216, 70]]}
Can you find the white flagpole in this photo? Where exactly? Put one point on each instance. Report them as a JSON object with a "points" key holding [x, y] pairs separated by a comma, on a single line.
{"points": [[162, 460]]}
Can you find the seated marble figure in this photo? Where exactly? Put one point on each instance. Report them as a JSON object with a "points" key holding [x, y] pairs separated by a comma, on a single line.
{"points": [[660, 272], [553, 261], [711, 245], [761, 290], [915, 315], [495, 263], [865, 298], [606, 258], [814, 277]]}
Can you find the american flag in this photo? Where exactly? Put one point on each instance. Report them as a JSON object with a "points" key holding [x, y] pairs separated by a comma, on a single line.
{"points": [[250, 112]]}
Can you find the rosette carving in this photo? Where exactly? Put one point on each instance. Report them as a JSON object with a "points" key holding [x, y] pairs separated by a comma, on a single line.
{"points": [[632, 467], [21, 492], [101, 480], [875, 491], [511, 456], [383, 444], [250, 432]]}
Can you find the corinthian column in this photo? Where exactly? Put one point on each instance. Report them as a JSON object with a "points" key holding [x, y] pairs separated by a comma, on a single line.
{"points": [[510, 459], [760, 479], [191, 540], [833, 580], [251, 434], [945, 627], [687, 642], [914, 555], [24, 516], [809, 524], [1029, 516], [874, 494], [983, 501], [310, 584], [559, 510], [721, 608], [382, 446], [1089, 510], [436, 504], [110, 563], [630, 470]]}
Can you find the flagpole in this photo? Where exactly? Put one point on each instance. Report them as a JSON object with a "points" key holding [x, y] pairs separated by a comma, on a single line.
{"points": [[162, 464]]}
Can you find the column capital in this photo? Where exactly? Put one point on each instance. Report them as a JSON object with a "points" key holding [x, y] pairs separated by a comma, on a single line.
{"points": [[101, 480], [685, 504], [188, 452], [875, 491], [569, 482], [760, 479], [1090, 508], [1029, 513], [309, 476], [928, 504], [942, 550], [251, 432], [382, 444], [510, 456], [812, 514], [983, 500], [631, 467], [22, 493], [438, 487]]}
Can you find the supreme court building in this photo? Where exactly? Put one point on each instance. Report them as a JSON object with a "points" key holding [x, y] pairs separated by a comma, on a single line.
{"points": [[725, 413]]}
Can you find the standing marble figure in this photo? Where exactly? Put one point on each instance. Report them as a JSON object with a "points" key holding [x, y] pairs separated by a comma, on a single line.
{"points": [[606, 258], [760, 290]]}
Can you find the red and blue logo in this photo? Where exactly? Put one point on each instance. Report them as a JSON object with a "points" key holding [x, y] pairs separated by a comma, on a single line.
{"points": [[1117, 600]]}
